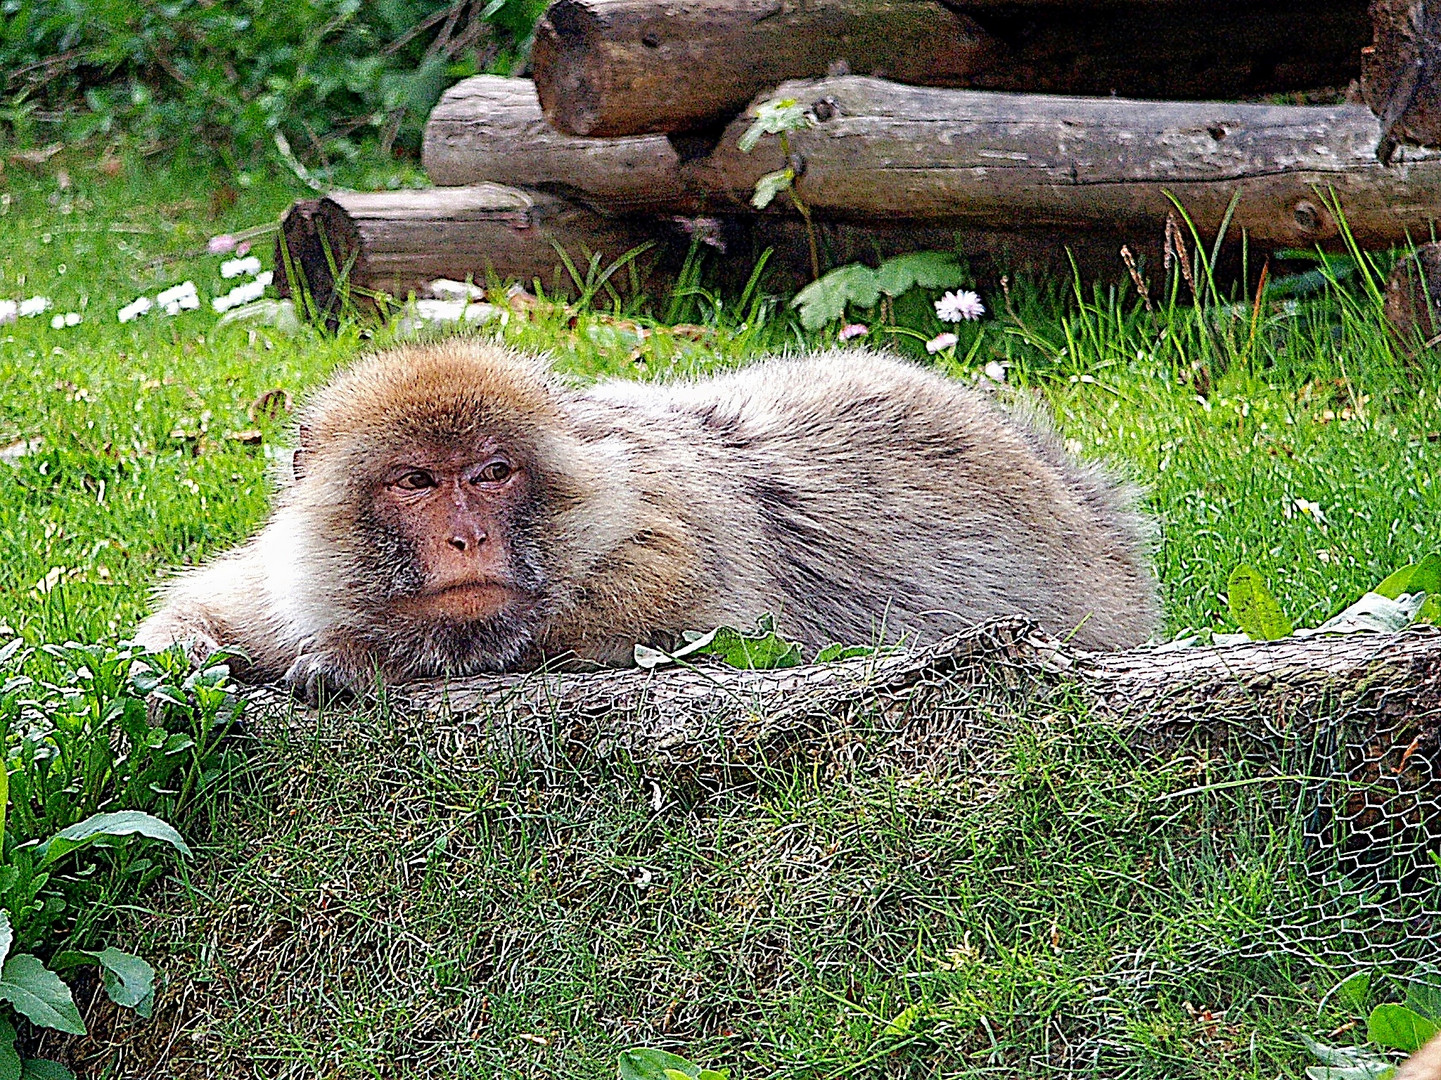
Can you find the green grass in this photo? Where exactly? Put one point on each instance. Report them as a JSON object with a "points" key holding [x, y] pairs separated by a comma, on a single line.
{"points": [[440, 914]]}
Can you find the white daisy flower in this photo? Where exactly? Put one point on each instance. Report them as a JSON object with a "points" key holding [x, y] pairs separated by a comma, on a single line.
{"points": [[939, 342], [959, 306]]}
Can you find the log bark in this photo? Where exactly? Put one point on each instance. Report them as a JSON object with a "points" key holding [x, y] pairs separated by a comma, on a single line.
{"points": [[1413, 299], [1401, 73], [712, 720], [490, 129], [625, 67], [991, 160], [348, 247]]}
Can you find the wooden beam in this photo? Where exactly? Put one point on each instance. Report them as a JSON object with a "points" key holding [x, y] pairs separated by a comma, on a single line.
{"points": [[626, 67], [878, 149]]}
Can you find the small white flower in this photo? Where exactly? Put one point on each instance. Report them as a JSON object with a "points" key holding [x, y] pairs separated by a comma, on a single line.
{"points": [[136, 308], [853, 330], [9, 311], [36, 305], [939, 342], [959, 306], [236, 267], [243, 294], [995, 371]]}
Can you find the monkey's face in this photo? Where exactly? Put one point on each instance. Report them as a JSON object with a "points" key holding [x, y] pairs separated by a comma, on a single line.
{"points": [[454, 512]]}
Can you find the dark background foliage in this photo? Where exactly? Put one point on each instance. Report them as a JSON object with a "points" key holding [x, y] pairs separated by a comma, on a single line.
{"points": [[221, 78]]}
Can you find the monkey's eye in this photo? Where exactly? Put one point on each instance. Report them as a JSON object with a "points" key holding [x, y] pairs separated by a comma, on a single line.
{"points": [[495, 472], [415, 480]]}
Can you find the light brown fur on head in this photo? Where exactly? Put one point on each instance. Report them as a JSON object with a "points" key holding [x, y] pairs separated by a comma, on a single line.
{"points": [[851, 494]]}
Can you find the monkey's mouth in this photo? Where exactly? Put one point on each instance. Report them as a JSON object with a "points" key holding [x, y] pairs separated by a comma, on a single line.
{"points": [[468, 601]]}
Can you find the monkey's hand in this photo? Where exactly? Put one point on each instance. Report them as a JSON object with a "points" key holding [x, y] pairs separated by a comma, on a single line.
{"points": [[327, 674], [167, 628]]}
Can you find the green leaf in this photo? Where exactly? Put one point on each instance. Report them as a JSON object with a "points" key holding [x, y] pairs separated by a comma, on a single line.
{"points": [[824, 300], [1424, 576], [40, 1069], [122, 823], [903, 1021], [1253, 606], [772, 118], [676, 1074], [1368, 1070], [1334, 1055], [843, 652], [129, 980], [1398, 1028], [1423, 994], [770, 185], [9, 1056], [1352, 990], [643, 1063], [7, 935], [38, 994], [924, 269], [713, 1074], [1430, 610]]}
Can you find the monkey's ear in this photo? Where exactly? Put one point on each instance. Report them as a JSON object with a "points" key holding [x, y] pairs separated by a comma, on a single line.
{"points": [[297, 462]]}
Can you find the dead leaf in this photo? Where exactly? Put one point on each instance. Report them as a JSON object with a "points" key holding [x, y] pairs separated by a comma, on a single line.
{"points": [[36, 159], [272, 404], [248, 437]]}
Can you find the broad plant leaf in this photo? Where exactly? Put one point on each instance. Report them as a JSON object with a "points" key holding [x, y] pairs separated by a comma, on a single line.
{"points": [[755, 649], [38, 994], [1253, 606], [1423, 576], [1398, 1028], [40, 1069], [1352, 990], [904, 1020], [824, 300], [770, 185], [129, 980], [643, 1063], [923, 269], [1423, 995], [837, 651], [122, 823], [9, 1056], [772, 118], [1375, 613], [7, 935]]}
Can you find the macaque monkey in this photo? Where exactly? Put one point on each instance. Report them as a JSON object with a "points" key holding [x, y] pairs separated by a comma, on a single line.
{"points": [[455, 508]]}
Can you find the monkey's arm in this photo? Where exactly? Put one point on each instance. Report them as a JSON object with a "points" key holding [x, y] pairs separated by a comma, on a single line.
{"points": [[234, 602]]}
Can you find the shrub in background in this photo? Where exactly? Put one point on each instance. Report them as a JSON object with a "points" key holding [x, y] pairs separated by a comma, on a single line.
{"points": [[226, 76]]}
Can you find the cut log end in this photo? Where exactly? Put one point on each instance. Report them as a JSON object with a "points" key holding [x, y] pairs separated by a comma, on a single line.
{"points": [[318, 252], [1413, 299]]}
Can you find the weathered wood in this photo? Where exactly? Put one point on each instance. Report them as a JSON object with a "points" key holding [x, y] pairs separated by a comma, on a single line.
{"points": [[351, 246], [714, 718], [1413, 299], [624, 67], [878, 149], [619, 67], [1401, 73], [490, 129]]}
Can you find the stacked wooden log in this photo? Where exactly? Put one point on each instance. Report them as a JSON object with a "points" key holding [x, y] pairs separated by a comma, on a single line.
{"points": [[922, 131]]}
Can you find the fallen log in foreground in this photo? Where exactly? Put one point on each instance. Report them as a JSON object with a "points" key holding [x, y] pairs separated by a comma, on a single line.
{"points": [[1372, 701], [878, 149], [487, 129], [624, 67]]}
